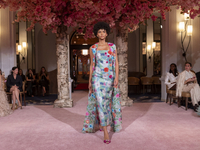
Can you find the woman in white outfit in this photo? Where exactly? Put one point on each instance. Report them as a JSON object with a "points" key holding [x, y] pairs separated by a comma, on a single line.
{"points": [[171, 77], [187, 82]]}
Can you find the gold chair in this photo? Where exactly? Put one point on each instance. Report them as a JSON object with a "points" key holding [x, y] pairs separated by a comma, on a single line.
{"points": [[170, 93], [185, 95], [146, 81], [20, 93], [156, 82], [133, 81]]}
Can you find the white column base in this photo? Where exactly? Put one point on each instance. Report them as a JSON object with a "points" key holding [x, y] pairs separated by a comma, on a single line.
{"points": [[127, 102], [63, 103]]}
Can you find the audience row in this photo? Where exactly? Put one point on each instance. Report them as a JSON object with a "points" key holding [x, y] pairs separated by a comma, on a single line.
{"points": [[15, 79], [185, 81]]}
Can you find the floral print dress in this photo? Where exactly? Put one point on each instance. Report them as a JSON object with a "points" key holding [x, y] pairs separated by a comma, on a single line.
{"points": [[104, 106]]}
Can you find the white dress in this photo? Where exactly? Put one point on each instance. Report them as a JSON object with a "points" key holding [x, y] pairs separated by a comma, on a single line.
{"points": [[170, 80], [4, 106]]}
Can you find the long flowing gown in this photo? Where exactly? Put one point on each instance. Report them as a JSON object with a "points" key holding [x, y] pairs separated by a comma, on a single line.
{"points": [[104, 106], [4, 106]]}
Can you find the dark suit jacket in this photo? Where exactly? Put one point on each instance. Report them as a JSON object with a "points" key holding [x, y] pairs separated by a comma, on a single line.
{"points": [[198, 77], [11, 82]]}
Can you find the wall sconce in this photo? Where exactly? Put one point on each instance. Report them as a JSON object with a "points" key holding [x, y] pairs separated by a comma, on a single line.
{"points": [[185, 32], [189, 30], [149, 52], [153, 45], [20, 51], [181, 26], [24, 44], [84, 52], [19, 48]]}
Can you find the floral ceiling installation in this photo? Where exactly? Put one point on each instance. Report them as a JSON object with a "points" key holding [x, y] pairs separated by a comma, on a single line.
{"points": [[52, 14]]}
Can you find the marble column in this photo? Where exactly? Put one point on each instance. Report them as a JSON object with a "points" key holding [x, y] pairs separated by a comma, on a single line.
{"points": [[64, 98], [122, 50]]}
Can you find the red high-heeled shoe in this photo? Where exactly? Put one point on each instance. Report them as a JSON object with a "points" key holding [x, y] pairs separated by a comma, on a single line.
{"points": [[107, 141]]}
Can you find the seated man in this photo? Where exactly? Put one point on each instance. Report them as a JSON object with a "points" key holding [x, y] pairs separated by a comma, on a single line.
{"points": [[187, 82]]}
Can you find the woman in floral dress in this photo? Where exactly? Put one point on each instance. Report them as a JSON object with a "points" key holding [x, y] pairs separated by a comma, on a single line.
{"points": [[104, 107]]}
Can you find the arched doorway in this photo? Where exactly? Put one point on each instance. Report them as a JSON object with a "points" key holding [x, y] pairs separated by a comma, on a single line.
{"points": [[80, 60]]}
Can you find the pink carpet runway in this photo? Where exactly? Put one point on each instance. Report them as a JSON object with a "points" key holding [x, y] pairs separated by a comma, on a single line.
{"points": [[146, 126]]}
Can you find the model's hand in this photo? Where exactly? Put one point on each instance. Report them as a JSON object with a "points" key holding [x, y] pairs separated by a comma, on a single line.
{"points": [[90, 87], [116, 83]]}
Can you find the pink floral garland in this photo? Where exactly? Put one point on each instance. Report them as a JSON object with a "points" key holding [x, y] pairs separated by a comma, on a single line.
{"points": [[83, 14]]}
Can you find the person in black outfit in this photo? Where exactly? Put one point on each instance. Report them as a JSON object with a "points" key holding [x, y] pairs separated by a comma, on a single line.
{"points": [[0, 72], [22, 75], [198, 77], [44, 80], [30, 78], [14, 85]]}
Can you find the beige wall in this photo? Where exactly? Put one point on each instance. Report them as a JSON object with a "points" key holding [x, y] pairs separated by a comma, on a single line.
{"points": [[7, 41], [45, 47]]}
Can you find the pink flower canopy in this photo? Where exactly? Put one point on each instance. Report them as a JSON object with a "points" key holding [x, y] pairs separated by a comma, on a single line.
{"points": [[83, 14]]}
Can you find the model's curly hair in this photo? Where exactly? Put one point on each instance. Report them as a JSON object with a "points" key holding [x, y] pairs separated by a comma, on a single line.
{"points": [[101, 25]]}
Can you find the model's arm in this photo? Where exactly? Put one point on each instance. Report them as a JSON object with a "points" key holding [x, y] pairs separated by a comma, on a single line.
{"points": [[116, 70], [91, 70]]}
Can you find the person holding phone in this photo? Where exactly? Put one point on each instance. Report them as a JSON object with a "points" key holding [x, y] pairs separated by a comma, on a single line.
{"points": [[187, 82], [30, 78]]}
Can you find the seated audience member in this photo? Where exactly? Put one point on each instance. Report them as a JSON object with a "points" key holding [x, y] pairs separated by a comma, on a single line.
{"points": [[171, 77], [157, 72], [30, 78], [187, 82], [44, 80], [198, 77], [22, 75], [14, 85]]}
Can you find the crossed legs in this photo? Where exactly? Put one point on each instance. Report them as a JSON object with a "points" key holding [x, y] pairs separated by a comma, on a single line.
{"points": [[15, 95]]}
